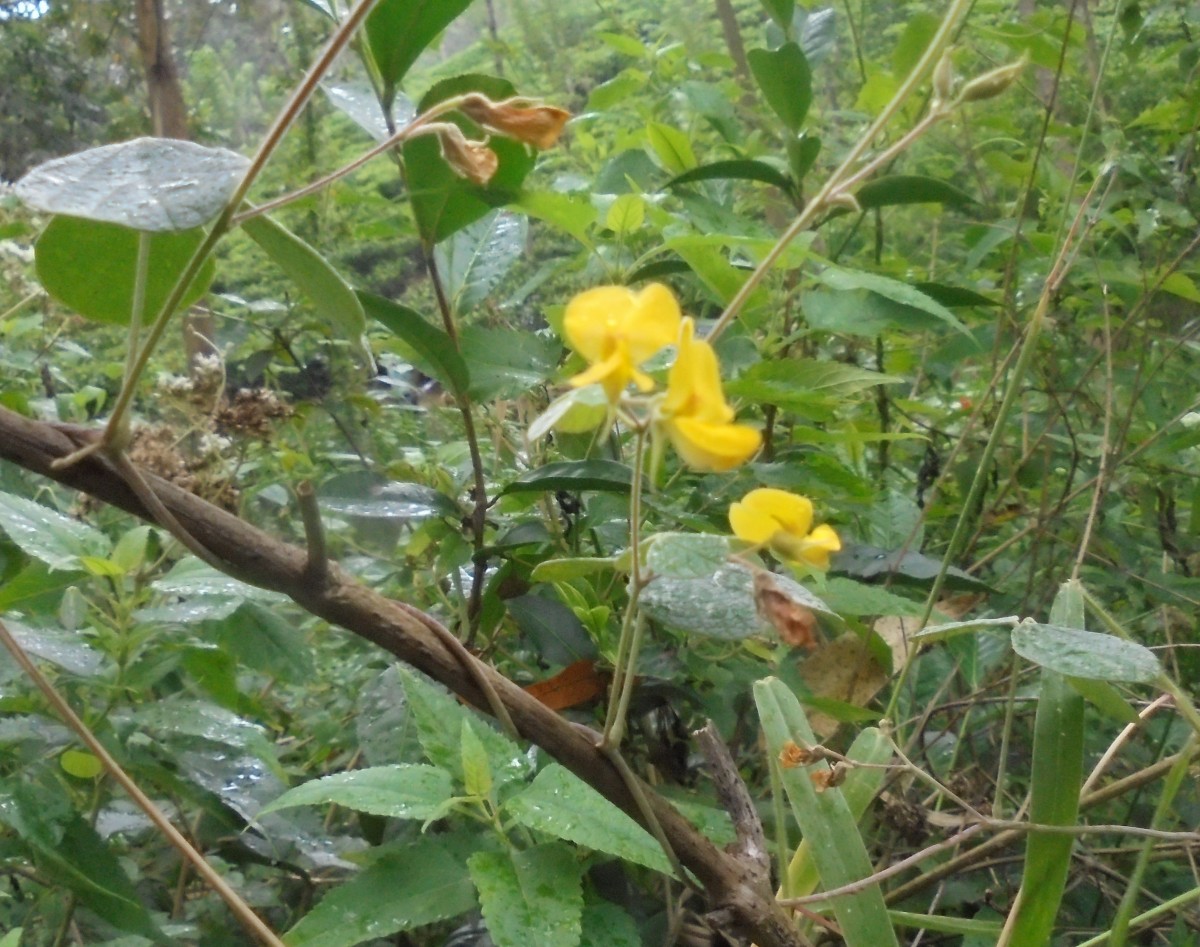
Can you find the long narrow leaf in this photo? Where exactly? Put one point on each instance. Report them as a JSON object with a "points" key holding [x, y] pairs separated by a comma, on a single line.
{"points": [[826, 820]]}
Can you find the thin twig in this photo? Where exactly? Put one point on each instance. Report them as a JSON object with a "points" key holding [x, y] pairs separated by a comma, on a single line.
{"points": [[251, 921], [317, 568]]}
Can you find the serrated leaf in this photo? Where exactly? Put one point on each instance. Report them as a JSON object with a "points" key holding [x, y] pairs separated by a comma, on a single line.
{"points": [[896, 189], [91, 266], [263, 640], [397, 32], [401, 791], [785, 79], [438, 357], [475, 259], [561, 805], [47, 535], [530, 898], [439, 717], [153, 184], [579, 476], [1086, 654], [686, 555], [332, 298], [67, 651], [604, 925], [743, 169], [417, 885]]}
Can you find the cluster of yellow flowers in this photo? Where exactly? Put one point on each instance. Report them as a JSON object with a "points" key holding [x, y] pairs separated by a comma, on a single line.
{"points": [[616, 330]]}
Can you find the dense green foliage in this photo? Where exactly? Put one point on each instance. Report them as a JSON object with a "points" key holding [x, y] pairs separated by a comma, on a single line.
{"points": [[981, 369]]}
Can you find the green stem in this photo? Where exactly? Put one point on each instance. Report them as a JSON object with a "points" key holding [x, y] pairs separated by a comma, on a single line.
{"points": [[835, 185], [300, 96], [632, 622]]}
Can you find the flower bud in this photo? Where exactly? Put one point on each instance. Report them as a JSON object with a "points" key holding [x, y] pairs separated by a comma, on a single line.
{"points": [[537, 125], [943, 78], [991, 84]]}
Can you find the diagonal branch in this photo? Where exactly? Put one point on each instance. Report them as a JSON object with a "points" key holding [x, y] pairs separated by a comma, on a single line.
{"points": [[255, 557]]}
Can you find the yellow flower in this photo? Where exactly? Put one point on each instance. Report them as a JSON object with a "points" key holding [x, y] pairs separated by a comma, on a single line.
{"points": [[782, 522], [616, 329], [694, 413]]}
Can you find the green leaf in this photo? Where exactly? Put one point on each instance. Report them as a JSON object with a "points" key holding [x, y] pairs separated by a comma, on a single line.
{"points": [[911, 189], [530, 898], [398, 31], [439, 718], [360, 103], [435, 350], [825, 819], [562, 570], [1085, 654], [672, 146], [558, 803], [802, 154], [573, 214], [62, 649], [781, 12], [627, 214], [416, 885], [1105, 698], [911, 568], [801, 385], [477, 774], [744, 169], [686, 555], [722, 605], [13, 938], [785, 79], [36, 588], [1054, 800], [158, 185], [616, 90], [331, 296], [604, 925], [47, 535], [552, 628], [903, 295], [954, 295], [577, 476], [474, 261], [503, 363], [443, 202], [67, 851], [90, 267], [262, 640], [402, 791], [847, 597]]}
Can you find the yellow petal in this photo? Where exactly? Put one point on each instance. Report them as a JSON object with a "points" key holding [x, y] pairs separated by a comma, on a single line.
{"points": [[813, 549], [612, 374], [754, 526], [592, 318], [694, 381], [651, 322], [793, 513], [712, 447]]}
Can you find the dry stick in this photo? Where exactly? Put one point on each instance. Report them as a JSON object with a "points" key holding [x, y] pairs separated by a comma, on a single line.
{"points": [[251, 921], [1122, 738], [316, 570]]}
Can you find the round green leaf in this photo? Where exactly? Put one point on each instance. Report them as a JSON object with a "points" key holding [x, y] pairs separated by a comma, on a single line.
{"points": [[81, 765], [1086, 654], [89, 267], [155, 184]]}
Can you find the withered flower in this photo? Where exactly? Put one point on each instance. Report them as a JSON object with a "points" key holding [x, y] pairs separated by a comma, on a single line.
{"points": [[521, 119], [473, 160]]}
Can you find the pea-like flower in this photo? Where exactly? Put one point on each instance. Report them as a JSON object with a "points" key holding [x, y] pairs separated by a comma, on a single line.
{"points": [[782, 522], [616, 329], [694, 414]]}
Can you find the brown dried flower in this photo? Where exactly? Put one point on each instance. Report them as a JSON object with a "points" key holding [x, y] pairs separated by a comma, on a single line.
{"points": [[792, 756], [473, 160], [526, 121]]}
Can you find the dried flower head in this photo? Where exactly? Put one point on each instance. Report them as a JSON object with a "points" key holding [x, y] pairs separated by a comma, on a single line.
{"points": [[522, 119], [473, 160]]}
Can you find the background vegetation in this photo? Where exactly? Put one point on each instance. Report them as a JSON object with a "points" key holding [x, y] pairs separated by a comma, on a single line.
{"points": [[988, 362]]}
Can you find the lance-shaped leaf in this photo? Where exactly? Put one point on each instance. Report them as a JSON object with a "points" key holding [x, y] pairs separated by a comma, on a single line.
{"points": [[399, 30]]}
